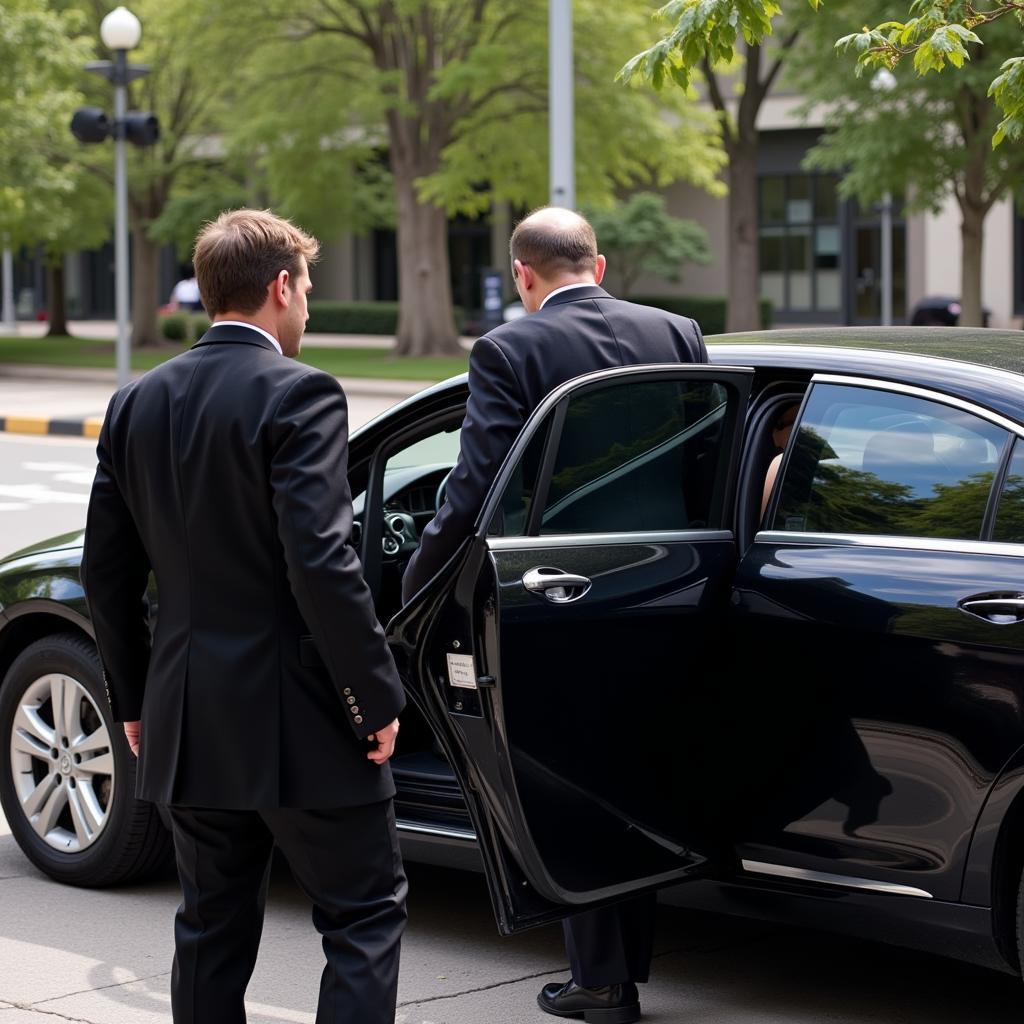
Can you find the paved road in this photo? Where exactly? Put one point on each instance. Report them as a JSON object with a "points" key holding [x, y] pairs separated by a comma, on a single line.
{"points": [[104, 958], [44, 481]]}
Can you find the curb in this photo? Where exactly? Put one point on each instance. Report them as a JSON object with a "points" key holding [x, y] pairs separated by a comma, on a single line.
{"points": [[88, 426]]}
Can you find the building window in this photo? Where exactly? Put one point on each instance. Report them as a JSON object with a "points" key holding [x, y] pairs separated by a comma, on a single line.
{"points": [[799, 242]]}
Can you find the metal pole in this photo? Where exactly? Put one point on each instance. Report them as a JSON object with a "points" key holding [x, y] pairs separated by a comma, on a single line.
{"points": [[121, 219], [7, 315], [562, 137], [887, 259]]}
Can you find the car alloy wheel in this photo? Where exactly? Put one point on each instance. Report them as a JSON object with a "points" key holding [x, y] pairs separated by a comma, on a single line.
{"points": [[67, 777], [62, 763]]}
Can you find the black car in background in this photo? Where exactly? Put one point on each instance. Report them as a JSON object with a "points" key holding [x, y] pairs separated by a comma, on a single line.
{"points": [[632, 677]]}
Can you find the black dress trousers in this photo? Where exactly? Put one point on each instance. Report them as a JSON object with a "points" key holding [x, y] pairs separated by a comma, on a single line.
{"points": [[612, 945], [347, 861]]}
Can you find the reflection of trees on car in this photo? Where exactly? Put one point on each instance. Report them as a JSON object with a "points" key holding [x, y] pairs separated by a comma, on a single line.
{"points": [[652, 415], [831, 498], [1010, 518]]}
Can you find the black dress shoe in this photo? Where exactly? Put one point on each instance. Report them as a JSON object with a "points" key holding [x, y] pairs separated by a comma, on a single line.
{"points": [[613, 1004]]}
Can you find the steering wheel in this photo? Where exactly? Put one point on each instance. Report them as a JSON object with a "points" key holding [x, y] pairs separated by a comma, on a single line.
{"points": [[442, 490]]}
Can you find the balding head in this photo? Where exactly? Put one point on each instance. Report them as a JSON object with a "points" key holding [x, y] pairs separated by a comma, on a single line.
{"points": [[550, 248], [555, 242]]}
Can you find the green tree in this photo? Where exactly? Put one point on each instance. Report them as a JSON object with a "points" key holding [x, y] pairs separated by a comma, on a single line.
{"points": [[639, 236], [723, 41], [453, 95], [47, 197], [929, 135], [944, 32]]}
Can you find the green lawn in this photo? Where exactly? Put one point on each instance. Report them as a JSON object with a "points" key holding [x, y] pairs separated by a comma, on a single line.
{"points": [[342, 362]]}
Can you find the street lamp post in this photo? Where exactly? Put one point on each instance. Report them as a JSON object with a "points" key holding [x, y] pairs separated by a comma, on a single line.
{"points": [[561, 129], [120, 31], [885, 81]]}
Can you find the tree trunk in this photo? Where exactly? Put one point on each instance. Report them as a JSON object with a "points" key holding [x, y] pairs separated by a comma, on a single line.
{"points": [[743, 312], [426, 325], [145, 264], [972, 237], [56, 307]]}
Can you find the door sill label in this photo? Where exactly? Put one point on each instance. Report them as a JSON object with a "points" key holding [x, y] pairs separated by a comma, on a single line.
{"points": [[461, 671]]}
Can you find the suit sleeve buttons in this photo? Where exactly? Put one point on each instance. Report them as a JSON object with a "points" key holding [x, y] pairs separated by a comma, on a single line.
{"points": [[359, 719]]}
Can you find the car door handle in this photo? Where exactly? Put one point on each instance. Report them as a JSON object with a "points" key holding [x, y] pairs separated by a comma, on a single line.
{"points": [[556, 586], [1002, 609]]}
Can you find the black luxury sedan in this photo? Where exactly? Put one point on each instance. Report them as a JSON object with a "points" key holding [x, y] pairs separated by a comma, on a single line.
{"points": [[800, 700]]}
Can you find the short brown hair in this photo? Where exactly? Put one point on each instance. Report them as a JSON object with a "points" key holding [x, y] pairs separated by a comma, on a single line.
{"points": [[568, 247], [241, 252]]}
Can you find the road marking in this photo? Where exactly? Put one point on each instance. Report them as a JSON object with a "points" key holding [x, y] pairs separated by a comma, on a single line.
{"points": [[40, 494], [65, 472]]}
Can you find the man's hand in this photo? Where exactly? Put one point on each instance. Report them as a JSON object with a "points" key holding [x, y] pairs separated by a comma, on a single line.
{"points": [[133, 730], [385, 742]]}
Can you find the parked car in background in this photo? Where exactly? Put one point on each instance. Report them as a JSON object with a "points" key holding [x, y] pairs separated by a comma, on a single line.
{"points": [[941, 311], [631, 678]]}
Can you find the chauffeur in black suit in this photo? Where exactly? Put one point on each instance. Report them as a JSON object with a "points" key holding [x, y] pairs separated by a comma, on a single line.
{"points": [[267, 696], [575, 327]]}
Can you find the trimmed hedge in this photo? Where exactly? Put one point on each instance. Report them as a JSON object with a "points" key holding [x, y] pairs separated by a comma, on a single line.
{"points": [[329, 317], [184, 326], [708, 311]]}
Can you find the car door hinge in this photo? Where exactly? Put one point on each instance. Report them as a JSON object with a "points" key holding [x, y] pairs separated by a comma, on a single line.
{"points": [[483, 682]]}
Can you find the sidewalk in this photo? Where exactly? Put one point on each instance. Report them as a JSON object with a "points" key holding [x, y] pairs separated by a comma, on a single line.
{"points": [[71, 402], [106, 330]]}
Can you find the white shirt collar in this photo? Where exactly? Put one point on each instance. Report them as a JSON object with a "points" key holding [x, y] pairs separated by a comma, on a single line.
{"points": [[565, 288], [252, 327]]}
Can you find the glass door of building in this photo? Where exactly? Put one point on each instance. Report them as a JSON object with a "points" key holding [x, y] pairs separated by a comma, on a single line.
{"points": [[865, 281]]}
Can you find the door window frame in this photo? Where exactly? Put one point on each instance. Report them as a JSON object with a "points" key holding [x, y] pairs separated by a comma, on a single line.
{"points": [[557, 402]]}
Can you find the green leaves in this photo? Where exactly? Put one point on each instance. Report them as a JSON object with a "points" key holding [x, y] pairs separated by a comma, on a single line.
{"points": [[1008, 91], [941, 33], [701, 29]]}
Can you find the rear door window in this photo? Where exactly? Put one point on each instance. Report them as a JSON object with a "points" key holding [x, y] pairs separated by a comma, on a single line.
{"points": [[869, 461]]}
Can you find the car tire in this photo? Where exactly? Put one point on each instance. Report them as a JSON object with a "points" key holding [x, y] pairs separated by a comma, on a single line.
{"points": [[72, 807]]}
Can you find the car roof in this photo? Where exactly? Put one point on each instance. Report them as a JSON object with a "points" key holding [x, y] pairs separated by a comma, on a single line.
{"points": [[983, 366]]}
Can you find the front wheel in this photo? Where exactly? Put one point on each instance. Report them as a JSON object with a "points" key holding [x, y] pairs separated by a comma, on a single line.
{"points": [[67, 776]]}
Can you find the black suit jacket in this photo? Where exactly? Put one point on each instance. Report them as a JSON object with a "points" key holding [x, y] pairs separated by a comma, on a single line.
{"points": [[224, 471], [514, 367]]}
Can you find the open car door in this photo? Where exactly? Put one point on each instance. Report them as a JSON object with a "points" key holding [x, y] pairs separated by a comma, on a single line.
{"points": [[560, 654]]}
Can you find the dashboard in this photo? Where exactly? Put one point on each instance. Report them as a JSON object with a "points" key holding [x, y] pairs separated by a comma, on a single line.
{"points": [[410, 502]]}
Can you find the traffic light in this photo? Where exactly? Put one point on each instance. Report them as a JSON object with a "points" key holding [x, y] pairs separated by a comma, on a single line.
{"points": [[90, 124], [141, 129]]}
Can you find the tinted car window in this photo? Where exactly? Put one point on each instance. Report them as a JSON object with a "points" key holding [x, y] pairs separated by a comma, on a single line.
{"points": [[638, 456], [876, 462], [1010, 516]]}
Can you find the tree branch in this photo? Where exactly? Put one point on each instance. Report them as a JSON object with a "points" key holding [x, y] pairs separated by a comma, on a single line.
{"points": [[773, 71], [718, 101]]}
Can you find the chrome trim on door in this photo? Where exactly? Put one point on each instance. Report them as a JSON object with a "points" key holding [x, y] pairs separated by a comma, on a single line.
{"points": [[582, 540], [465, 834], [854, 540], [925, 393], [823, 878]]}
